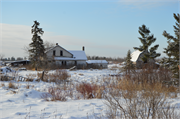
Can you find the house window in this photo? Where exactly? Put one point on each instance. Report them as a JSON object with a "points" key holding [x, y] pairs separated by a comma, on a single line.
{"points": [[61, 53], [54, 52]]}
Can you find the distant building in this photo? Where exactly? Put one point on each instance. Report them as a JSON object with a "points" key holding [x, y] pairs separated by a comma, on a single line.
{"points": [[17, 63], [137, 59], [62, 56]]}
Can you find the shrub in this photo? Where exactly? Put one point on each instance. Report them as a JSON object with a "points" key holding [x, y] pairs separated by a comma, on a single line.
{"points": [[12, 85], [27, 86], [4, 78], [90, 90], [133, 100], [30, 77], [2, 85], [55, 94], [59, 76], [149, 74]]}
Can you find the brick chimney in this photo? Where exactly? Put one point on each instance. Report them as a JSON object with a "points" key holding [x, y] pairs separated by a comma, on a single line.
{"points": [[56, 43], [83, 48]]}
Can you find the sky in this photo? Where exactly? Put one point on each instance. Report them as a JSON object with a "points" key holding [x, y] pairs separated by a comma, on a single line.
{"points": [[105, 27]]}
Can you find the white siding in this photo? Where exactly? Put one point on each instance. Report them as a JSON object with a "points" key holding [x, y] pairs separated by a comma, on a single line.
{"points": [[57, 53]]}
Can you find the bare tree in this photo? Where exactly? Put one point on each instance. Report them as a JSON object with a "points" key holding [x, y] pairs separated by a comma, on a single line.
{"points": [[48, 44]]}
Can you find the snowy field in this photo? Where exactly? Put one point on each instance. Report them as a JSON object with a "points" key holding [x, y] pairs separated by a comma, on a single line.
{"points": [[27, 103]]}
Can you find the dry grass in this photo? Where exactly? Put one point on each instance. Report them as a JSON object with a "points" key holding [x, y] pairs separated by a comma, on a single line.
{"points": [[55, 94], [12, 85], [140, 100], [114, 67], [30, 77], [140, 94], [4, 78], [90, 90], [27, 86], [149, 75], [81, 74], [2, 85], [60, 76]]}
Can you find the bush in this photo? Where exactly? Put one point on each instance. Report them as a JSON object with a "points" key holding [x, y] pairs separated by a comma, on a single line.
{"points": [[4, 78], [131, 99], [30, 77], [60, 76], [149, 75], [2, 85], [90, 90], [55, 94], [12, 85]]}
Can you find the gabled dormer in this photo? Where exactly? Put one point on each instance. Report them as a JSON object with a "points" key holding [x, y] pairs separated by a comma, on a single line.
{"points": [[58, 51]]}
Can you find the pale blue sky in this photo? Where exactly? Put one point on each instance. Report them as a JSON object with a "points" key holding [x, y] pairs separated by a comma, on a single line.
{"points": [[104, 27]]}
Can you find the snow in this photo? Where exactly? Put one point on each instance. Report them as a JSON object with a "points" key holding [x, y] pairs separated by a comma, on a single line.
{"points": [[28, 102], [1, 63], [135, 55], [4, 70], [77, 55], [97, 62]]}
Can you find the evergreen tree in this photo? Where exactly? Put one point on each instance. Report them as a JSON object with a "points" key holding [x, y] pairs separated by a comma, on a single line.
{"points": [[146, 40], [172, 50], [37, 50], [129, 64]]}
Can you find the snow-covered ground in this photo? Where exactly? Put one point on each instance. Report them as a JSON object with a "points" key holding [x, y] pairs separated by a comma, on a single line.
{"points": [[27, 103]]}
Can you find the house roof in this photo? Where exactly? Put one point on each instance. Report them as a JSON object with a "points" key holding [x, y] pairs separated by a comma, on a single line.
{"points": [[77, 55], [96, 61], [135, 55]]}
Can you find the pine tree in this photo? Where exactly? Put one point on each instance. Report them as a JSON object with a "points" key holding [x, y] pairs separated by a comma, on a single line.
{"points": [[172, 50], [37, 50], [146, 40], [129, 64]]}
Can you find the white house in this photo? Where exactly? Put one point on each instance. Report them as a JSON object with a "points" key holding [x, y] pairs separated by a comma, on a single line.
{"points": [[66, 57], [101, 63], [136, 58]]}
